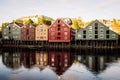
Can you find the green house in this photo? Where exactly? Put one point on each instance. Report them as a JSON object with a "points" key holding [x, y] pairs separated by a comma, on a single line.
{"points": [[12, 31], [96, 31]]}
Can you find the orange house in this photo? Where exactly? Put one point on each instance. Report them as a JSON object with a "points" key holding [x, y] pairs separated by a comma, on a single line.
{"points": [[41, 32]]}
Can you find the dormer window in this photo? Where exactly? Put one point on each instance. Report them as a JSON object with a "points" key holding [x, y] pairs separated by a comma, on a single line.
{"points": [[58, 21], [96, 24]]}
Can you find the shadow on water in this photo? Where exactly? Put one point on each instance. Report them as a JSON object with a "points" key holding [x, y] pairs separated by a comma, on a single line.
{"points": [[62, 64]]}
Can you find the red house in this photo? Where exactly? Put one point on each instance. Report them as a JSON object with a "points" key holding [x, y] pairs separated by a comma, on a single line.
{"points": [[61, 31], [28, 33]]}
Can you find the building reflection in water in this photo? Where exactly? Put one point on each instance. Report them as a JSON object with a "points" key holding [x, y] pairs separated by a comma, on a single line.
{"points": [[12, 60], [60, 61], [96, 61]]}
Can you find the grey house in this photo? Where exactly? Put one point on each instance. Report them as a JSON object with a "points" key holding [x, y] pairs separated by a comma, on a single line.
{"points": [[96, 31], [12, 31]]}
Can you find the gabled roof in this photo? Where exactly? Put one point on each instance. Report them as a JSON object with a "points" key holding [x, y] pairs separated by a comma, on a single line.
{"points": [[60, 20], [19, 25], [100, 23]]}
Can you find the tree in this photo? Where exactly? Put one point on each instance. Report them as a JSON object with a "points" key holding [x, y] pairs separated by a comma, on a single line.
{"points": [[4, 24], [116, 26], [18, 21], [29, 21], [44, 20], [75, 24]]}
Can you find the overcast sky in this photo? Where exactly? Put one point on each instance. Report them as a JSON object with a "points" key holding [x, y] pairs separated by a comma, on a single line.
{"points": [[86, 9]]}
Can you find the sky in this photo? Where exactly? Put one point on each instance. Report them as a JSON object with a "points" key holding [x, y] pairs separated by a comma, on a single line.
{"points": [[86, 9]]}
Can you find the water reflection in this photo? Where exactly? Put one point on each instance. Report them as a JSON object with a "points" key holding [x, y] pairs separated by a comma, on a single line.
{"points": [[64, 65]]}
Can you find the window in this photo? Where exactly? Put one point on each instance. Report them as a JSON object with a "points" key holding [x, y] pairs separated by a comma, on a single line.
{"points": [[84, 36], [63, 24], [41, 30], [107, 36], [84, 32], [107, 32], [41, 37], [65, 29], [58, 24], [58, 21], [96, 24], [58, 38], [96, 32], [65, 33], [113, 35], [59, 33], [9, 28], [79, 36], [90, 35], [101, 27], [90, 27], [52, 33], [96, 28], [101, 36], [44, 29], [58, 28], [101, 32], [96, 36], [52, 29]]}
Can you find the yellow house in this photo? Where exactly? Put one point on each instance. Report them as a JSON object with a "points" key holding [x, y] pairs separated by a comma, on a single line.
{"points": [[42, 58], [41, 32]]}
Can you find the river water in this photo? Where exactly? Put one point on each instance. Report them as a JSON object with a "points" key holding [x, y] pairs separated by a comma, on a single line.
{"points": [[43, 64]]}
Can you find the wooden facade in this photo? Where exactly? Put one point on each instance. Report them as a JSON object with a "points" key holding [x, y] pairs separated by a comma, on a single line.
{"points": [[96, 31], [41, 33], [60, 31], [12, 31], [28, 33]]}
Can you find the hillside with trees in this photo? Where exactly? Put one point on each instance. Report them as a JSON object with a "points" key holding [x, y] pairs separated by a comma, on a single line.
{"points": [[76, 22]]}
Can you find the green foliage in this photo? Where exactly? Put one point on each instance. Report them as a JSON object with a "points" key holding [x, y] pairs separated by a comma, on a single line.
{"points": [[29, 21], [44, 20], [4, 24], [18, 21], [89, 22], [75, 25]]}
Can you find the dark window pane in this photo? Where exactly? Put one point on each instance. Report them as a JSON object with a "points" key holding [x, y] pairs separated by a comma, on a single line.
{"points": [[84, 32], [58, 38], [96, 28], [96, 36], [107, 36], [107, 32], [84, 36], [96, 24], [58, 33], [58, 21], [96, 32], [58, 28]]}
